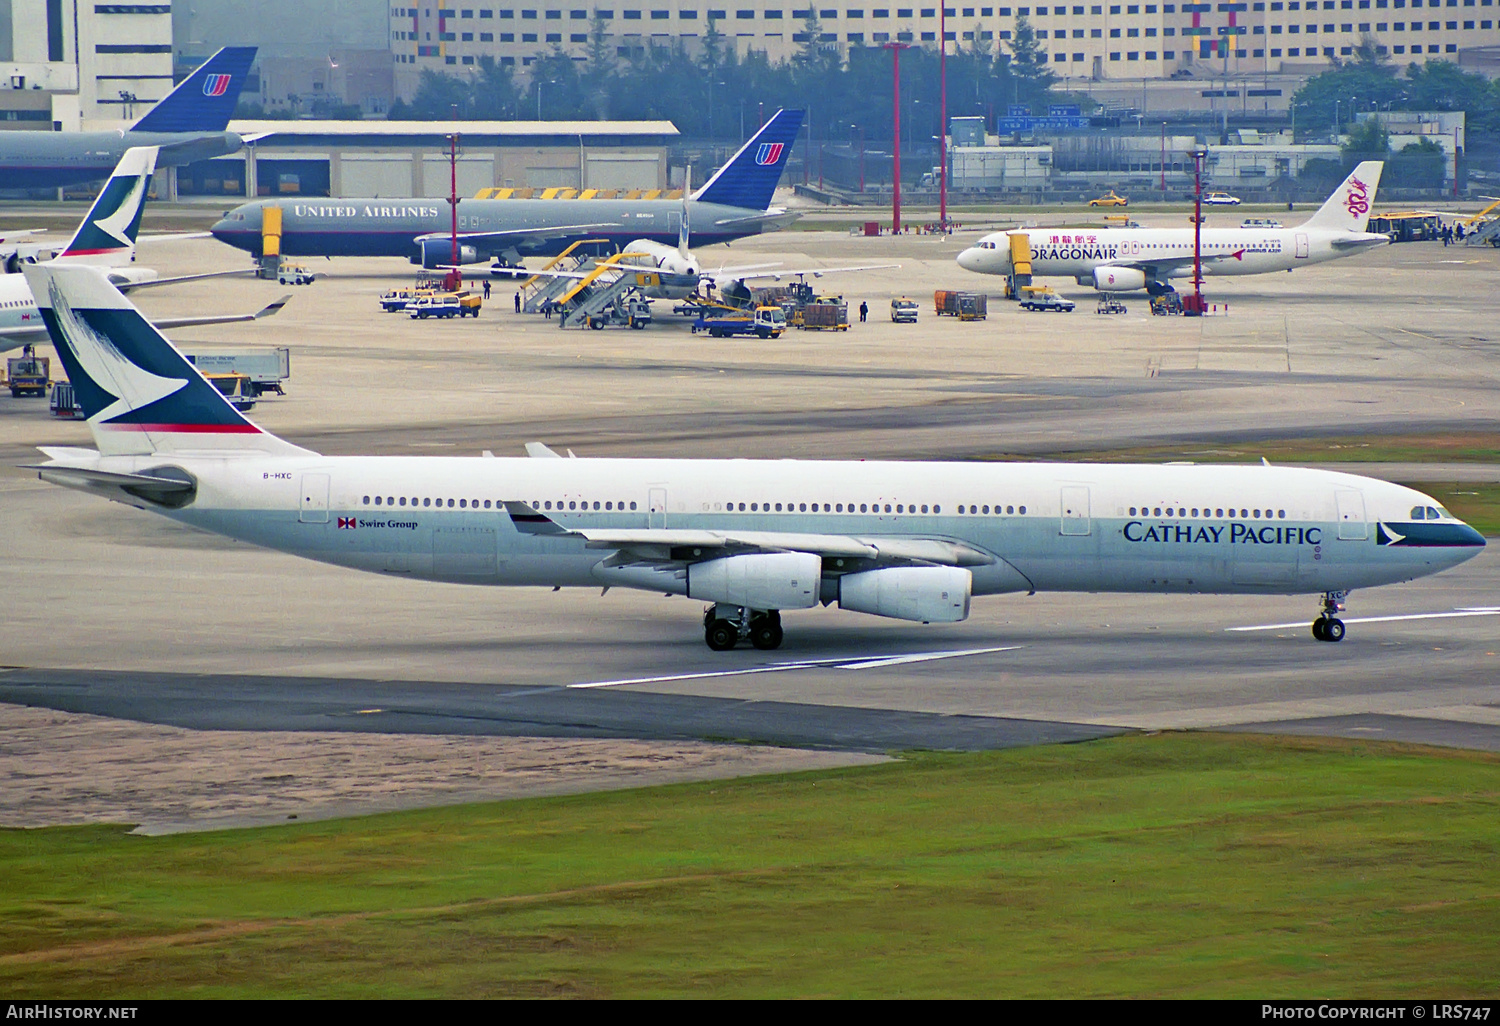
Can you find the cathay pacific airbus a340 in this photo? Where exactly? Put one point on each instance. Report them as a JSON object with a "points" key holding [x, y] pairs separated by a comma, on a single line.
{"points": [[1128, 259], [915, 541]]}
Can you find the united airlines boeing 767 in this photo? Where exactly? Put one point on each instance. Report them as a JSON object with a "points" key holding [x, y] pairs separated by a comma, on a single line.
{"points": [[915, 541]]}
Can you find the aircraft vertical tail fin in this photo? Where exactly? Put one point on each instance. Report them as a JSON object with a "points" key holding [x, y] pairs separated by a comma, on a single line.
{"points": [[684, 233], [750, 177], [1348, 209], [205, 100], [140, 395], [106, 236]]}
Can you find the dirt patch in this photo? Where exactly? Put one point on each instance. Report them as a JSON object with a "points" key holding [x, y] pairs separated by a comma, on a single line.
{"points": [[67, 768]]}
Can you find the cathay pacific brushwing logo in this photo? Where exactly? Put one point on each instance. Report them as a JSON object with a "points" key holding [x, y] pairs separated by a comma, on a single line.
{"points": [[117, 224], [216, 85], [133, 387], [1385, 536]]}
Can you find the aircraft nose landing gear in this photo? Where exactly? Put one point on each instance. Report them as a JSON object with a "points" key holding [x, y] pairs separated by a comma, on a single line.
{"points": [[726, 626], [1328, 627]]}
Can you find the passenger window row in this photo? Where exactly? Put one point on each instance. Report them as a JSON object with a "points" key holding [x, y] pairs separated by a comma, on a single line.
{"points": [[391, 500], [827, 507], [1178, 511], [985, 509], [579, 505]]}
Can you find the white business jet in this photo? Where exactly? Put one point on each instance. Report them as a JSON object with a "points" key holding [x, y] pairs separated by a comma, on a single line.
{"points": [[1128, 259]]}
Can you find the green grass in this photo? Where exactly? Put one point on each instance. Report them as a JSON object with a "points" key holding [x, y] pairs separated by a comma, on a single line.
{"points": [[1184, 865]]}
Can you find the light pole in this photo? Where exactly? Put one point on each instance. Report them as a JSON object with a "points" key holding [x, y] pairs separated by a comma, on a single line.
{"points": [[896, 49], [943, 113], [1164, 159], [1194, 305]]}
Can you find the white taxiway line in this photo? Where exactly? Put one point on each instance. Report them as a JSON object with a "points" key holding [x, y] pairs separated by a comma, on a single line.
{"points": [[852, 663], [1475, 611]]}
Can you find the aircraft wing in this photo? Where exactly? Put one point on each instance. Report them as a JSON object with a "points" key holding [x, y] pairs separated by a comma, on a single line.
{"points": [[1167, 264], [270, 310], [774, 215], [664, 545], [816, 272], [151, 283], [513, 234]]}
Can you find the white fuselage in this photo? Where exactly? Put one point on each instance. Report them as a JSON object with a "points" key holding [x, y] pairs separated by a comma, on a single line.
{"points": [[17, 310], [1164, 253], [1051, 527]]}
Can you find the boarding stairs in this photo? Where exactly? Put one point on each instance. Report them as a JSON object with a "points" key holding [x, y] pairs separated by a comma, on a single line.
{"points": [[604, 286], [539, 289]]}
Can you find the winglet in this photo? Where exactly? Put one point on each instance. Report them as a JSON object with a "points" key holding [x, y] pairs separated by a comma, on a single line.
{"points": [[529, 521], [272, 309], [540, 451]]}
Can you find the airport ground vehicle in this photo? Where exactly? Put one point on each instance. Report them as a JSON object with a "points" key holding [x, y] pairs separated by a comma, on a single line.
{"points": [[234, 387], [1110, 199], [903, 311], [63, 403], [973, 306], [1261, 222], [1109, 304], [28, 374], [1220, 199], [628, 311], [945, 301], [266, 368], [766, 322], [445, 304], [1166, 304], [397, 300], [294, 274], [1041, 299], [825, 314]]}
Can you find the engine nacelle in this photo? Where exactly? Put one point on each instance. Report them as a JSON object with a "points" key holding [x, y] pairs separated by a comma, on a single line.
{"points": [[930, 594], [123, 276], [762, 580], [1119, 279], [439, 253]]}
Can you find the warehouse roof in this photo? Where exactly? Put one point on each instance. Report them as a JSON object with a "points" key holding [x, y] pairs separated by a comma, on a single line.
{"points": [[501, 132]]}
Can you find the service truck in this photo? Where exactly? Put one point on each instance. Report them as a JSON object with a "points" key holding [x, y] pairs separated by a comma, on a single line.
{"points": [[266, 368], [766, 322], [28, 374]]}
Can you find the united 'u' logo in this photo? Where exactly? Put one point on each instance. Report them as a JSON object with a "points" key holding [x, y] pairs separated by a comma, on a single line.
{"points": [[769, 153], [216, 85]]}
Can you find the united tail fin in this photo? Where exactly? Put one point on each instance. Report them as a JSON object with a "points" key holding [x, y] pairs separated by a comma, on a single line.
{"points": [[750, 178], [140, 395], [1348, 209], [205, 100], [106, 236]]}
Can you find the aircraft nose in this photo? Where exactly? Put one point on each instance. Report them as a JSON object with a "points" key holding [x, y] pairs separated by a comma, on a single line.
{"points": [[969, 259], [1469, 538]]}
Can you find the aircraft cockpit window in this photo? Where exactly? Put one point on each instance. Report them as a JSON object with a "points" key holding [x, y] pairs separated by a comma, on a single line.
{"points": [[1442, 513], [1419, 513], [1433, 514]]}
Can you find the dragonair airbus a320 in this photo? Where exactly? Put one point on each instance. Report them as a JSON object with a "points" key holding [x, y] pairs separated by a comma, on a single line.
{"points": [[914, 541], [1128, 259]]}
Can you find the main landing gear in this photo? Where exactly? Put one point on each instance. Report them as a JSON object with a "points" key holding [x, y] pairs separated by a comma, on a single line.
{"points": [[1328, 627], [726, 626]]}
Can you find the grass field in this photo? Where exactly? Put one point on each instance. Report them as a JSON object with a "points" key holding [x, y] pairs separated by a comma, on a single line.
{"points": [[1176, 864]]}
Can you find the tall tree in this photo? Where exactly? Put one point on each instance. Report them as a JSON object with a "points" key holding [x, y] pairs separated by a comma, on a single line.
{"points": [[1028, 63]]}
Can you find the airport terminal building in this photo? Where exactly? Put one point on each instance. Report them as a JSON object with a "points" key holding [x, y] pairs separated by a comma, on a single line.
{"points": [[1084, 42]]}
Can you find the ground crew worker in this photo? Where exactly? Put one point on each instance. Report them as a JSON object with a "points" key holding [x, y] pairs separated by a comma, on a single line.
{"points": [[864, 311], [486, 289], [518, 302]]}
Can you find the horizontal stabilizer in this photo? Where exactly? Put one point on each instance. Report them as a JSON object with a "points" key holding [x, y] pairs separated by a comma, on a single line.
{"points": [[164, 486]]}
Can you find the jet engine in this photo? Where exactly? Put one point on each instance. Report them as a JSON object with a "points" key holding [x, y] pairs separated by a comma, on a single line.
{"points": [[122, 277], [762, 580], [930, 594], [1119, 279], [439, 253]]}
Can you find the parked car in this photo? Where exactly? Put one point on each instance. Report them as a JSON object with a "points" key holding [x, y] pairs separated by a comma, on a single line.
{"points": [[1221, 199], [1042, 299]]}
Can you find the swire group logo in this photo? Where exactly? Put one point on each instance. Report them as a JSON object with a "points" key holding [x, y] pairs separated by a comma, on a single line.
{"points": [[216, 85], [769, 153], [347, 523], [1357, 199]]}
